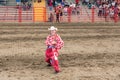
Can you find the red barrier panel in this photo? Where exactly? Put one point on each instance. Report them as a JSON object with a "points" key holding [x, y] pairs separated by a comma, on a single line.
{"points": [[69, 14], [15, 14], [93, 11], [21, 14]]}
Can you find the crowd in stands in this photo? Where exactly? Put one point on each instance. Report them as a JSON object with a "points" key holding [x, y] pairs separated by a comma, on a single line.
{"points": [[109, 9], [106, 8], [25, 4], [63, 8], [3, 2]]}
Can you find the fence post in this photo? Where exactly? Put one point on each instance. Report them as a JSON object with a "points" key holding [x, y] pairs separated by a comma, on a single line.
{"points": [[115, 18], [69, 14], [93, 13], [33, 14], [44, 12], [20, 14]]}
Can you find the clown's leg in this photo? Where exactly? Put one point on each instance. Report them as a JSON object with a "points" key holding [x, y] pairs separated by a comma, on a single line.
{"points": [[55, 63], [48, 56], [48, 61]]}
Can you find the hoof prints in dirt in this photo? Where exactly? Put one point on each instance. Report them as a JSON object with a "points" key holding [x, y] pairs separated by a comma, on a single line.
{"points": [[77, 37], [20, 39], [102, 60], [22, 62], [40, 33], [88, 60]]}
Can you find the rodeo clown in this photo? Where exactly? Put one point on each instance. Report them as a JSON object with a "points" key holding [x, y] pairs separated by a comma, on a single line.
{"points": [[54, 43]]}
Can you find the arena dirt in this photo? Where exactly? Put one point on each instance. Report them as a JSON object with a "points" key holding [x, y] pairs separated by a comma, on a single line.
{"points": [[89, 53]]}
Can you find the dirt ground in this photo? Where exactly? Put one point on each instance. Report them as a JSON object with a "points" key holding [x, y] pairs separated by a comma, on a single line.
{"points": [[89, 53]]}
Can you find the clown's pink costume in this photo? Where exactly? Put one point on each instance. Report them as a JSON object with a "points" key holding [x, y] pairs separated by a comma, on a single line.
{"points": [[52, 49]]}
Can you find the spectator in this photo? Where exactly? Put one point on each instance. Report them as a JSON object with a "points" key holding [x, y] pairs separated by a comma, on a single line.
{"points": [[86, 2], [119, 11], [65, 9], [78, 9], [50, 5], [54, 3], [111, 13], [39, 1], [51, 18], [76, 1], [100, 10], [113, 3], [62, 3], [29, 5], [61, 15], [89, 5], [57, 16]]}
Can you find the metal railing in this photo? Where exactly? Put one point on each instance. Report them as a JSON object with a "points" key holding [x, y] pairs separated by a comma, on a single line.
{"points": [[18, 14]]}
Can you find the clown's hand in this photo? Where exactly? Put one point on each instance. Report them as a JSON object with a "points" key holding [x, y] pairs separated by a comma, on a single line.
{"points": [[54, 43]]}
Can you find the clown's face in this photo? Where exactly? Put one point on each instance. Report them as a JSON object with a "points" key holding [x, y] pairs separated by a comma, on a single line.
{"points": [[53, 32]]}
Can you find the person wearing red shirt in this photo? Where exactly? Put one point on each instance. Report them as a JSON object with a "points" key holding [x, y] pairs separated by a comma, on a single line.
{"points": [[77, 1], [54, 43]]}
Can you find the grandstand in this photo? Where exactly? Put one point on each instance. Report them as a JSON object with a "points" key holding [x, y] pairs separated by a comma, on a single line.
{"points": [[39, 12], [8, 2], [11, 3], [85, 13]]}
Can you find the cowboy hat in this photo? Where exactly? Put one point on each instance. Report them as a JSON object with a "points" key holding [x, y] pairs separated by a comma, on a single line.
{"points": [[52, 28]]}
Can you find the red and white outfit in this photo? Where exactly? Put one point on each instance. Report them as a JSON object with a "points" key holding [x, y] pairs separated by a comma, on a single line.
{"points": [[52, 50]]}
